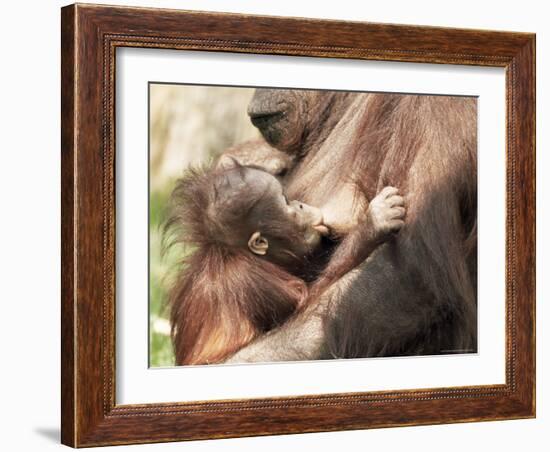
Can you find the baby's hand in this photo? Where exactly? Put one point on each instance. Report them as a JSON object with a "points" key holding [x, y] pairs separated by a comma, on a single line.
{"points": [[387, 211]]}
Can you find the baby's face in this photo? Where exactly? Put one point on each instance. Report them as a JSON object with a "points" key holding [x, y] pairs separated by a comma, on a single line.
{"points": [[304, 222]]}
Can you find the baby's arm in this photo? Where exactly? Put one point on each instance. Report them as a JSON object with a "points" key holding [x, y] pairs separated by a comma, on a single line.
{"points": [[383, 217], [303, 337]]}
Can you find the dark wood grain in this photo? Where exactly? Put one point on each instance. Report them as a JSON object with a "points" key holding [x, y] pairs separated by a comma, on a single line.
{"points": [[90, 36], [68, 310]]}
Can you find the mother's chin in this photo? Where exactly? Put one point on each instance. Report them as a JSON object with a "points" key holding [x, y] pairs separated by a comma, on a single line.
{"points": [[279, 117], [271, 125]]}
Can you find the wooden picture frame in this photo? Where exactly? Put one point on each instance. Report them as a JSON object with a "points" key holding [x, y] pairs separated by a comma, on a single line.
{"points": [[90, 36]]}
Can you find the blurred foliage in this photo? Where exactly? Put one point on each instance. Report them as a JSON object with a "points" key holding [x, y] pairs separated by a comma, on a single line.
{"points": [[188, 125], [160, 347]]}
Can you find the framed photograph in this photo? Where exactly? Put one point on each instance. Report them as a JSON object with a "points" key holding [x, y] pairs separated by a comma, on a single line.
{"points": [[282, 225]]}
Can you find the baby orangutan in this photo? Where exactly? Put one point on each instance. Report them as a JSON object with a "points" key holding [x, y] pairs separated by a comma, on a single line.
{"points": [[249, 266]]}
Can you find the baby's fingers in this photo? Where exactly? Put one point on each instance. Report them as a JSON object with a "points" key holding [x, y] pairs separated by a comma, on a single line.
{"points": [[397, 213], [395, 200], [386, 192], [395, 225]]}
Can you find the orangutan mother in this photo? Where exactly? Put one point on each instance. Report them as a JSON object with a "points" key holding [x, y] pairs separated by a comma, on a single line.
{"points": [[417, 293]]}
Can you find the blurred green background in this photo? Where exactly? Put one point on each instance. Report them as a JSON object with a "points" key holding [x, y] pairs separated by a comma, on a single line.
{"points": [[188, 125]]}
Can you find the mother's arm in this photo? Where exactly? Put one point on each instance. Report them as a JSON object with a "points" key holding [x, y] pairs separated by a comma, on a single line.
{"points": [[257, 153], [303, 336]]}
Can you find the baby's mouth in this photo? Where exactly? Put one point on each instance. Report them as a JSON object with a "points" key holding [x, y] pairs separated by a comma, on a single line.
{"points": [[322, 229]]}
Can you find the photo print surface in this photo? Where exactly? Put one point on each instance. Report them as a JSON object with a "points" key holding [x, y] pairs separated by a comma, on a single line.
{"points": [[293, 224]]}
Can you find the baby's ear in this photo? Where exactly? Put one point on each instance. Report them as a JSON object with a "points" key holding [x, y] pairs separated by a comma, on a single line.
{"points": [[258, 244], [226, 162]]}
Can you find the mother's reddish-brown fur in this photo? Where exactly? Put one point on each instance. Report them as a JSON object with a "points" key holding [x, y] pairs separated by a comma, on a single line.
{"points": [[416, 294]]}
